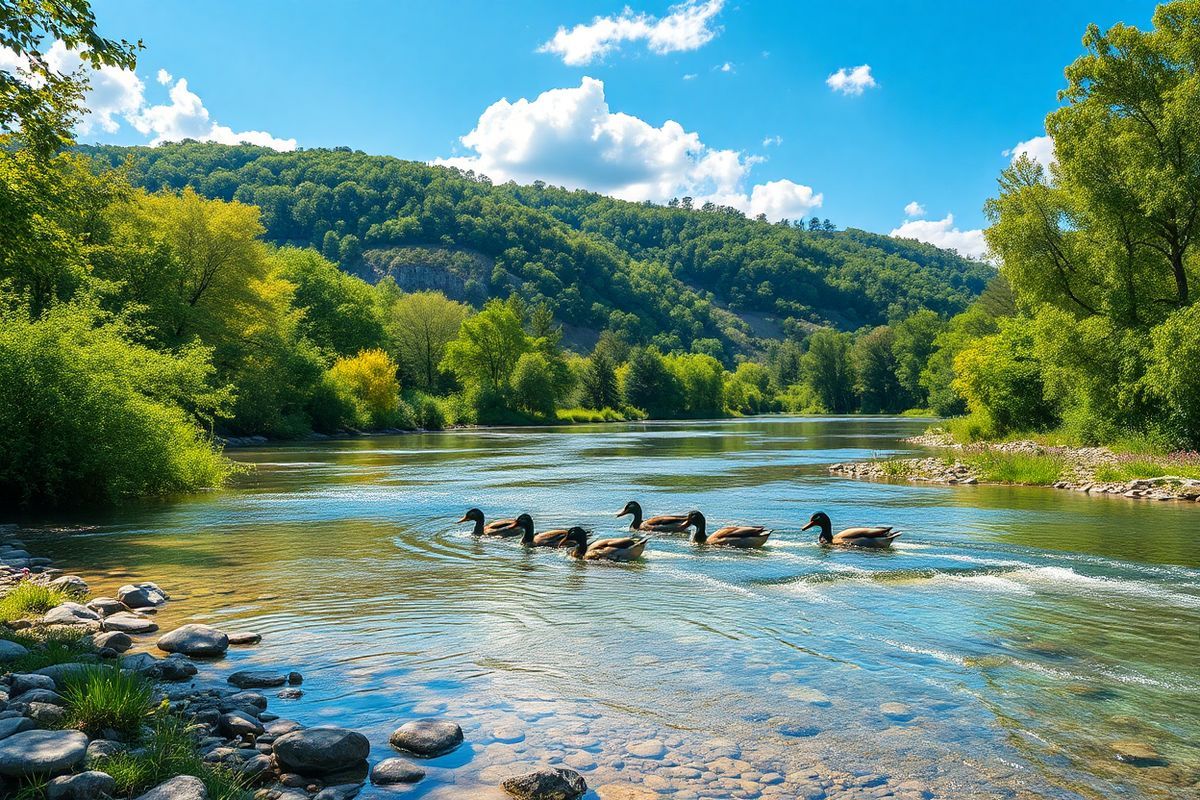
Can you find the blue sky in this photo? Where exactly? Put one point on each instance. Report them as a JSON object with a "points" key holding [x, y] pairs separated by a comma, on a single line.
{"points": [[731, 101]]}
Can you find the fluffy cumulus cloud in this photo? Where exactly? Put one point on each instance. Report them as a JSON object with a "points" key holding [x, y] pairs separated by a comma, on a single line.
{"points": [[852, 80], [914, 209], [1039, 148], [687, 26], [116, 94], [942, 233], [571, 137]]}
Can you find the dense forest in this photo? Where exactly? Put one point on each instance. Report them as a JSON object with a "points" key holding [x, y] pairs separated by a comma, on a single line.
{"points": [[155, 299]]}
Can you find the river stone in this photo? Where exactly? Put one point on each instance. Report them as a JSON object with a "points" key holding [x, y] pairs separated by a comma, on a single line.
{"points": [[251, 679], [113, 640], [896, 711], [245, 637], [103, 748], [128, 622], [37, 752], [106, 605], [39, 696], [345, 791], [59, 672], [546, 784], [239, 723], [321, 750], [172, 668], [181, 787], [195, 640], [20, 683], [71, 584], [46, 715], [14, 725], [290, 693], [10, 651], [427, 737], [395, 770], [90, 785], [142, 595], [70, 614], [651, 748], [138, 662], [1139, 754]]}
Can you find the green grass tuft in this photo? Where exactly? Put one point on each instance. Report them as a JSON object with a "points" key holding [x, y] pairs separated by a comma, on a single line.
{"points": [[1023, 468], [1126, 471], [107, 697], [46, 648], [29, 599]]}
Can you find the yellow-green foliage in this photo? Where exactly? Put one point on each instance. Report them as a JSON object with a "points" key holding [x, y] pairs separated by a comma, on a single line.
{"points": [[29, 599], [1025, 468], [589, 415], [367, 382]]}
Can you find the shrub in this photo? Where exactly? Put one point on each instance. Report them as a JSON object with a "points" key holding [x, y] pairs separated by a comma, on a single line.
{"points": [[427, 412], [102, 697], [533, 384], [1001, 377], [367, 383], [1173, 375], [29, 599]]}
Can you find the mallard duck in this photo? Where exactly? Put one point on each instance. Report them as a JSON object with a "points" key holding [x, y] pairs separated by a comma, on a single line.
{"points": [[730, 535], [667, 523], [551, 538], [879, 536], [623, 549], [499, 527]]}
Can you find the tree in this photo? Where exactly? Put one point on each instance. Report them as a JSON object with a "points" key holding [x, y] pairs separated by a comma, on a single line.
{"points": [[875, 371], [340, 314], [648, 384], [829, 371], [814, 224], [349, 250], [599, 382], [912, 345], [368, 382], [1001, 378], [533, 385], [421, 325], [36, 98], [487, 347], [701, 379], [330, 247]]}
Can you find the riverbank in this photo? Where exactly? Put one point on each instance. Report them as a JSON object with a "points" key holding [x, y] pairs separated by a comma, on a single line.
{"points": [[1088, 470]]}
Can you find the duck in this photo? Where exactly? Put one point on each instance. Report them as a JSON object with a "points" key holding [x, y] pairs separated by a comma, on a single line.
{"points": [[730, 535], [557, 537], [626, 548], [499, 527], [666, 523], [877, 536]]}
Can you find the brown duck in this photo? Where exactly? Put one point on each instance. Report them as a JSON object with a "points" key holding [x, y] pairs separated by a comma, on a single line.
{"points": [[499, 527], [626, 548], [666, 523], [879, 536], [729, 536], [557, 537]]}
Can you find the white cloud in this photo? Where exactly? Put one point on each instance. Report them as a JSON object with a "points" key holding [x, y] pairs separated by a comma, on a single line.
{"points": [[686, 27], [1039, 148], [914, 209], [112, 92], [726, 67], [185, 117], [773, 140], [164, 77], [691, 76], [942, 233], [852, 80], [571, 137]]}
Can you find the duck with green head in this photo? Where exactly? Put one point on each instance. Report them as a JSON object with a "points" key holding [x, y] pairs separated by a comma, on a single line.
{"points": [[729, 536], [863, 536], [499, 527], [626, 548], [665, 523]]}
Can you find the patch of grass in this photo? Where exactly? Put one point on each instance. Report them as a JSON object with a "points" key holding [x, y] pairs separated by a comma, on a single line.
{"points": [[1126, 471], [1023, 468], [589, 415], [169, 749], [896, 467], [971, 428], [29, 599], [918, 412], [45, 648], [105, 696]]}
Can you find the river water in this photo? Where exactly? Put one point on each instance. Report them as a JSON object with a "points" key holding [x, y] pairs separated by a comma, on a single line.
{"points": [[1001, 649]]}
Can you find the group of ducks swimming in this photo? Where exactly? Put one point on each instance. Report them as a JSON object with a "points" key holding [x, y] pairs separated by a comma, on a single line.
{"points": [[628, 548]]}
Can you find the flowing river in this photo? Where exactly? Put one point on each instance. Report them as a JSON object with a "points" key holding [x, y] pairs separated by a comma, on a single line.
{"points": [[1012, 644]]}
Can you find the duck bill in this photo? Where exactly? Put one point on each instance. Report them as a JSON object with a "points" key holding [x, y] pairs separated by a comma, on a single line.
{"points": [[809, 525], [623, 514], [464, 519]]}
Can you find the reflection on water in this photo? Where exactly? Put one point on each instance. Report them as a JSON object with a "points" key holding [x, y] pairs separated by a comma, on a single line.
{"points": [[1026, 630]]}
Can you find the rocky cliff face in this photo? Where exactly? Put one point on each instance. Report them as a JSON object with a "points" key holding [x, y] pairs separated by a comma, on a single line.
{"points": [[459, 273]]}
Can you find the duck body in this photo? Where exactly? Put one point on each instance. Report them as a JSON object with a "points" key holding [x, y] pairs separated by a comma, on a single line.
{"points": [[878, 536], [728, 536], [551, 538], [624, 548], [499, 527], [664, 523]]}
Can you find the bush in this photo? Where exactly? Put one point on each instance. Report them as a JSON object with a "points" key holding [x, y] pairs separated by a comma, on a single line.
{"points": [[367, 383], [533, 385], [1001, 378], [103, 697], [427, 411], [87, 414], [29, 599], [1174, 374]]}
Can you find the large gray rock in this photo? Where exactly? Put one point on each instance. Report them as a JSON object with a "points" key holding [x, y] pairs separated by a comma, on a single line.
{"points": [[90, 785], [427, 737], [71, 584], [236, 724], [15, 725], [127, 622], [138, 662], [70, 614], [257, 679], [39, 696], [41, 752], [318, 751], [115, 640], [195, 640], [20, 683], [181, 787], [395, 770], [245, 637], [59, 672], [106, 605], [142, 595], [546, 784], [10, 651], [104, 748]]}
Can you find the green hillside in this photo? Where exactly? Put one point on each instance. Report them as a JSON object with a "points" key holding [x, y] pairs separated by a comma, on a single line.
{"points": [[670, 276]]}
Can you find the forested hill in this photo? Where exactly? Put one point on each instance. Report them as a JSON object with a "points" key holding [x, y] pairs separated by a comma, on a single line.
{"points": [[666, 275]]}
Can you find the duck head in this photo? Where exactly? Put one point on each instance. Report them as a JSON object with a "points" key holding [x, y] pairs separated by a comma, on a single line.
{"points": [[821, 520], [476, 516], [634, 508], [578, 537], [697, 521], [525, 522]]}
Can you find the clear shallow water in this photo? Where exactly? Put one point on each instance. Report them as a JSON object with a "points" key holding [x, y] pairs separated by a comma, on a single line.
{"points": [[1025, 629]]}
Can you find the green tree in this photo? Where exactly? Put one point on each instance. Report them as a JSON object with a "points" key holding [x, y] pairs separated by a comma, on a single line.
{"points": [[1001, 378], [701, 379], [648, 384], [912, 344], [533, 385], [420, 325], [1173, 376], [599, 382], [340, 313], [875, 371], [828, 370], [486, 350]]}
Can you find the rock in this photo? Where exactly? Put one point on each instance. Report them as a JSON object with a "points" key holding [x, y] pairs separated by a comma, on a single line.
{"points": [[142, 595], [1139, 754], [295, 678], [395, 770], [71, 584], [106, 605], [90, 785], [249, 700], [195, 640], [38, 752], [70, 614], [290, 693], [175, 668], [250, 679], [20, 683], [314, 751], [345, 791], [181, 787], [14, 725], [128, 622], [138, 662], [238, 723], [39, 696], [256, 766], [114, 640], [59, 672], [244, 637], [508, 734], [103, 748], [546, 784], [427, 737], [896, 711], [282, 726], [47, 715], [10, 651], [652, 748]]}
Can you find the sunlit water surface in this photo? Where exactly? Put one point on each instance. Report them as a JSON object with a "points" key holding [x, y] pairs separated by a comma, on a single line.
{"points": [[1025, 629]]}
